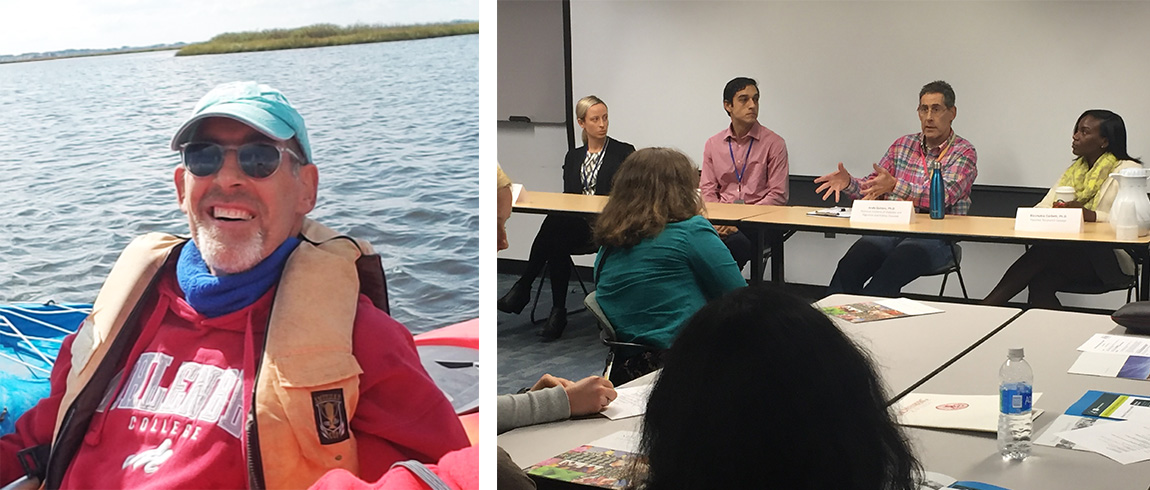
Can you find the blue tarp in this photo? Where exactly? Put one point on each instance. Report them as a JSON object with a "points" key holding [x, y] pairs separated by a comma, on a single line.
{"points": [[30, 337]]}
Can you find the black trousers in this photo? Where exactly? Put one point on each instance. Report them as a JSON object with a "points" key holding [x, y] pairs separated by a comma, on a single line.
{"points": [[559, 237], [739, 244]]}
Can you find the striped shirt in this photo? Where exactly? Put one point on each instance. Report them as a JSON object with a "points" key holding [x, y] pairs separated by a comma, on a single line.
{"points": [[908, 164]]}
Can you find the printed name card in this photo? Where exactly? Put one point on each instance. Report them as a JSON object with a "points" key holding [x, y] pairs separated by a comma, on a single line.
{"points": [[516, 191], [891, 212], [1062, 220]]}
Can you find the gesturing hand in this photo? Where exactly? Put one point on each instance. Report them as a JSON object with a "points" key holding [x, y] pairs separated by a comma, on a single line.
{"points": [[833, 182], [590, 395], [882, 183]]}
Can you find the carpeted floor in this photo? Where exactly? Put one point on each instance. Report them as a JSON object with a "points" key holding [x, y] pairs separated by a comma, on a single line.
{"points": [[523, 358]]}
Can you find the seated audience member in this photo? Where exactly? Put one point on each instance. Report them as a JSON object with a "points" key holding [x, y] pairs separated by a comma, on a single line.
{"points": [[660, 260], [1099, 142], [904, 174], [552, 398], [767, 391], [586, 170], [744, 163]]}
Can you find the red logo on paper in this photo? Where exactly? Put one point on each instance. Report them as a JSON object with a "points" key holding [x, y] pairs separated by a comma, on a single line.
{"points": [[952, 406]]}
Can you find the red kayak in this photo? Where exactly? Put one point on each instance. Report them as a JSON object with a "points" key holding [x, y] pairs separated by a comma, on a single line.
{"points": [[451, 356]]}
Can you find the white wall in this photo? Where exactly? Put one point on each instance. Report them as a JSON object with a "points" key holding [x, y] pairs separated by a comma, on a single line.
{"points": [[840, 82]]}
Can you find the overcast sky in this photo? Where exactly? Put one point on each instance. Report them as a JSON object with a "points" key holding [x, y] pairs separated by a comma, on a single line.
{"points": [[52, 25]]}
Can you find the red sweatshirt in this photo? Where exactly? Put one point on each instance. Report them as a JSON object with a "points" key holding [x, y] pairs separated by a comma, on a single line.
{"points": [[175, 418]]}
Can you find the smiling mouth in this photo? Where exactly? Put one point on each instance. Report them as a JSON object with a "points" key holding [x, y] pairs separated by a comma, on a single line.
{"points": [[231, 214]]}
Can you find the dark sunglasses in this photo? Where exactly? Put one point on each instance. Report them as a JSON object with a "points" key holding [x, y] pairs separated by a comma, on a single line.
{"points": [[258, 160]]}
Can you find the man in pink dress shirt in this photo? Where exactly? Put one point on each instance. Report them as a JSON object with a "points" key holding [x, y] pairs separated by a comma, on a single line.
{"points": [[744, 163]]}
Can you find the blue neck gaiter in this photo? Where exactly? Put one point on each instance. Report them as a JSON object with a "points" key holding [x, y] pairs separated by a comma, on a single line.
{"points": [[214, 296]]}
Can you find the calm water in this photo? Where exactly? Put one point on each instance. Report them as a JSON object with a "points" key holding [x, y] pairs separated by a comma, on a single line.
{"points": [[394, 130]]}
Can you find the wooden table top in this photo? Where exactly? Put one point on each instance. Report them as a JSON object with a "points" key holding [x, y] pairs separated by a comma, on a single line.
{"points": [[557, 202], [975, 228]]}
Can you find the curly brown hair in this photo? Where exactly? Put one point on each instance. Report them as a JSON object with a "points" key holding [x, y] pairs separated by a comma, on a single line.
{"points": [[653, 187]]}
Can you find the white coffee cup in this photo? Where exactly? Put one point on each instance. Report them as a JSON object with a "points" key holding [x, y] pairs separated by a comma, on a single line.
{"points": [[1064, 193]]}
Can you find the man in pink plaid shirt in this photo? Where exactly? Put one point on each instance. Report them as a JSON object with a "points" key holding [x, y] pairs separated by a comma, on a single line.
{"points": [[904, 174]]}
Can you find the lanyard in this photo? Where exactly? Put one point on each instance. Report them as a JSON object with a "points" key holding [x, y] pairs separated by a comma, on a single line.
{"points": [[589, 178], [941, 155], [746, 159]]}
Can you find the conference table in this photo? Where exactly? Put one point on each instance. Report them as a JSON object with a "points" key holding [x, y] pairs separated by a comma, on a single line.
{"points": [[772, 225], [531, 202], [780, 219], [909, 350], [906, 351], [1050, 340]]}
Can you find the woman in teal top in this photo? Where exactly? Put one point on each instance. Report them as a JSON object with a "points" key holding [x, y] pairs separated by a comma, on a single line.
{"points": [[659, 260]]}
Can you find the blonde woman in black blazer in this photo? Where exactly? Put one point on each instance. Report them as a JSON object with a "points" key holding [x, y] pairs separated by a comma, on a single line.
{"points": [[586, 170]]}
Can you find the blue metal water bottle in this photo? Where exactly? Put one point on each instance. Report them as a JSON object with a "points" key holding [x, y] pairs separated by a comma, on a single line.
{"points": [[937, 194]]}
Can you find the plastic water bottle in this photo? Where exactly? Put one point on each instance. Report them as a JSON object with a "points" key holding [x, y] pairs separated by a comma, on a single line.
{"points": [[937, 192], [1015, 424]]}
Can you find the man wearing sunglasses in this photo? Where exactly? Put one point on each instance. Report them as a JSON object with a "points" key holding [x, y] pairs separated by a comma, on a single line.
{"points": [[257, 354]]}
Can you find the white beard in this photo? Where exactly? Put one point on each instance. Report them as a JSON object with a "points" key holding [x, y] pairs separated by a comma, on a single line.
{"points": [[225, 258]]}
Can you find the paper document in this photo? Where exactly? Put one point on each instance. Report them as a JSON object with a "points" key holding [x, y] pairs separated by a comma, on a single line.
{"points": [[1111, 365], [1118, 344], [624, 440], [879, 310], [966, 412], [836, 212], [516, 189], [1052, 436], [1125, 442], [632, 401], [1094, 408]]}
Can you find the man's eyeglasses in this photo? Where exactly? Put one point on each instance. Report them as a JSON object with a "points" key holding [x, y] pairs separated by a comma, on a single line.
{"points": [[934, 109], [258, 160]]}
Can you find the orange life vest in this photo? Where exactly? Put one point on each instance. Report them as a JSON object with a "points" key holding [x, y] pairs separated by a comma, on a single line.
{"points": [[307, 350]]}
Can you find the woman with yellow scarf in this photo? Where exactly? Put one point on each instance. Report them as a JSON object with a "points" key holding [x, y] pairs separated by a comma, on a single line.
{"points": [[1100, 145]]}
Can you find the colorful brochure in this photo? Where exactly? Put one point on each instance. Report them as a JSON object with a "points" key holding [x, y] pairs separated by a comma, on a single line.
{"points": [[879, 310], [939, 481], [588, 465], [1095, 408], [1115, 406]]}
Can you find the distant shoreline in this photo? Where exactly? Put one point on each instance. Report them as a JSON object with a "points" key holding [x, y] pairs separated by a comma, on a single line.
{"points": [[89, 55], [314, 36], [321, 35]]}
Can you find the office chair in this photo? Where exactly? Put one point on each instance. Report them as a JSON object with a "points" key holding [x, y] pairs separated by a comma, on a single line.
{"points": [[607, 333], [952, 267]]}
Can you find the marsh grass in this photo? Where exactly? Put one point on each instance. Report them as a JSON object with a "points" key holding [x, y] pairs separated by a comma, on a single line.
{"points": [[323, 35]]}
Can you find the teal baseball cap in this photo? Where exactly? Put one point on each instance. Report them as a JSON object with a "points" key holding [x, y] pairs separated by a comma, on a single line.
{"points": [[258, 105]]}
